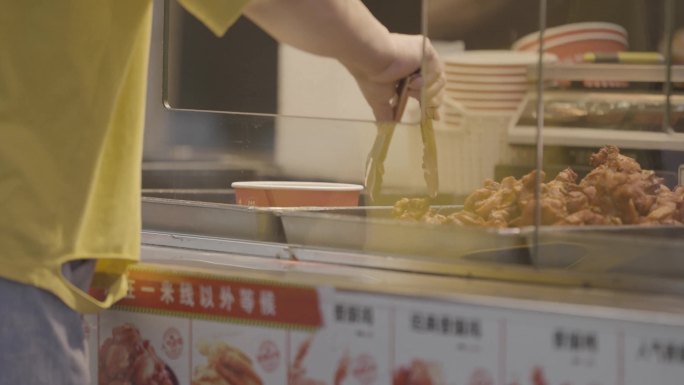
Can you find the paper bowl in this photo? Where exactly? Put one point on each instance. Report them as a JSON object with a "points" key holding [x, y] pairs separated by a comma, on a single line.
{"points": [[570, 46], [486, 95], [497, 79], [486, 87], [490, 105], [499, 61], [296, 194]]}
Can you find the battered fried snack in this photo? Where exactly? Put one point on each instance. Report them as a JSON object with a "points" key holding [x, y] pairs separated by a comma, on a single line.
{"points": [[617, 191], [226, 365]]}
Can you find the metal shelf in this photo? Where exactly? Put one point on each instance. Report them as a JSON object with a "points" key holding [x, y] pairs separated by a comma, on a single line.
{"points": [[591, 137], [609, 72]]}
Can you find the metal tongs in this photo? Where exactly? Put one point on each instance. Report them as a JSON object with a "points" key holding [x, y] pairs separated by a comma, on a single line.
{"points": [[375, 169]]}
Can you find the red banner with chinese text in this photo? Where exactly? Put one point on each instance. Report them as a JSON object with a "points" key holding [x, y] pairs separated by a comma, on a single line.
{"points": [[219, 297]]}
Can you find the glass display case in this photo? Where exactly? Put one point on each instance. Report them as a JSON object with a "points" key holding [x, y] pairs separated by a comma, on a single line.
{"points": [[494, 133], [551, 252]]}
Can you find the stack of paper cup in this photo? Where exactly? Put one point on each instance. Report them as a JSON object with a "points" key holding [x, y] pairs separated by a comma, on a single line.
{"points": [[470, 149], [483, 92]]}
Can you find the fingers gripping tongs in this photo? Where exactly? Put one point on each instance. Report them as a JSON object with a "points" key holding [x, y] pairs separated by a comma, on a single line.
{"points": [[375, 169]]}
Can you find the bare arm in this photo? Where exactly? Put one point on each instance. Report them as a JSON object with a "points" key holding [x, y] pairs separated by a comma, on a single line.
{"points": [[347, 31], [343, 29]]}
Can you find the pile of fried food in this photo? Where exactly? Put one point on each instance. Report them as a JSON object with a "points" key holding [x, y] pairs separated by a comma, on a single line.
{"points": [[126, 359], [616, 192], [226, 365]]}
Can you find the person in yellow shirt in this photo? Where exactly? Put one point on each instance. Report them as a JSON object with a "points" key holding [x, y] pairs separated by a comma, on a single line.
{"points": [[72, 87]]}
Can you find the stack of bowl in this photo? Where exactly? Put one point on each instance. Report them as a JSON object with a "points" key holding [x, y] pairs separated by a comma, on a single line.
{"points": [[487, 81], [570, 41]]}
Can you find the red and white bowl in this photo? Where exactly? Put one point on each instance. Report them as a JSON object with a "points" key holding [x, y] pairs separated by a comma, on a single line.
{"points": [[527, 42], [569, 40]]}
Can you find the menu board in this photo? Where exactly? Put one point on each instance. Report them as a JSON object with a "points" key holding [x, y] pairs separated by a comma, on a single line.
{"points": [[556, 350], [654, 355], [436, 344], [297, 335], [353, 348]]}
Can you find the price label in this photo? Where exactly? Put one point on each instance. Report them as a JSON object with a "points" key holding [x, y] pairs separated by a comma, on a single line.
{"points": [[353, 347], [654, 356], [547, 349], [430, 338], [354, 314]]}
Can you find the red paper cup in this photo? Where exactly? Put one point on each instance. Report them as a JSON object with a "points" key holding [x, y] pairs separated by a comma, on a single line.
{"points": [[296, 194]]}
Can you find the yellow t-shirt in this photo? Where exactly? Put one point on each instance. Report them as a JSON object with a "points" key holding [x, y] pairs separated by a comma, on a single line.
{"points": [[72, 92]]}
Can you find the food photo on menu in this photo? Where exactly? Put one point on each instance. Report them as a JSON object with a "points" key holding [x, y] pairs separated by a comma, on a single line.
{"points": [[126, 358], [537, 377], [237, 354], [298, 374], [418, 372], [225, 365]]}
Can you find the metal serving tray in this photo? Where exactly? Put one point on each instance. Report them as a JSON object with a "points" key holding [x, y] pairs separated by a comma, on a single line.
{"points": [[631, 249], [371, 229], [626, 249], [211, 219]]}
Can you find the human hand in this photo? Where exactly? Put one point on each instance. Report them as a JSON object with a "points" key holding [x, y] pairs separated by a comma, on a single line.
{"points": [[405, 56]]}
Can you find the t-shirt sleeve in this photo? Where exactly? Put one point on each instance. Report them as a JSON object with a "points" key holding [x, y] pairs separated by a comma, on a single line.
{"points": [[217, 15]]}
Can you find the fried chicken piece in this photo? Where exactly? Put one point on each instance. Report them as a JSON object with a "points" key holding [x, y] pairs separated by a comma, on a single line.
{"points": [[432, 217], [466, 218], [477, 196], [588, 217], [666, 208], [610, 157], [552, 210], [501, 217], [576, 201], [554, 198], [619, 187], [679, 193], [411, 208], [417, 209], [484, 207]]}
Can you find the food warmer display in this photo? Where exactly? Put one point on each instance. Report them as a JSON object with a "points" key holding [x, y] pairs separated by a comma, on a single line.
{"points": [[584, 287]]}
